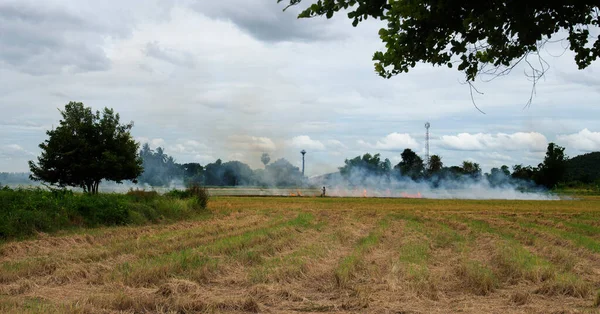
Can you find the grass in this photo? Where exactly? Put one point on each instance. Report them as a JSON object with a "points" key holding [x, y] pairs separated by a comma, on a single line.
{"points": [[349, 265], [26, 212], [273, 254], [479, 279]]}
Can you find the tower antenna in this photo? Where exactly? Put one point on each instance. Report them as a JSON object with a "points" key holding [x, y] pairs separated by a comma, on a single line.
{"points": [[427, 126]]}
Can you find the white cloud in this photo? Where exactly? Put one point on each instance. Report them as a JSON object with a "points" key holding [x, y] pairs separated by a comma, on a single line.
{"points": [[187, 147], [236, 156], [394, 142], [335, 145], [495, 156], [305, 142], [154, 142], [252, 143], [204, 159], [531, 141], [585, 140], [14, 150]]}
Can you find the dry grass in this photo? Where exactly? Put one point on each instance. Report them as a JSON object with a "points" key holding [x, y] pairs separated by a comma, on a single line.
{"points": [[281, 255]]}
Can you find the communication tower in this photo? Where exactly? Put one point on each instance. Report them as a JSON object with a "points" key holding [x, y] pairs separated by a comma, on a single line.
{"points": [[427, 126]]}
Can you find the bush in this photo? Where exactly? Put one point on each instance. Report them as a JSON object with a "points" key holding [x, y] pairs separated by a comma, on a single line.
{"points": [[24, 212], [198, 193], [142, 195]]}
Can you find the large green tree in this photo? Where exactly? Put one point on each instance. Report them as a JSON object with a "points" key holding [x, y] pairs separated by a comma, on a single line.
{"points": [[479, 36], [86, 148], [435, 164], [554, 167], [411, 165]]}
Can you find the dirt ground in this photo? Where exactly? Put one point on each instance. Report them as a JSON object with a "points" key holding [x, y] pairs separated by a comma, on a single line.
{"points": [[315, 255]]}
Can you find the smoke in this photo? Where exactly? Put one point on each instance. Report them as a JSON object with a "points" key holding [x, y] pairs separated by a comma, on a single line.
{"points": [[362, 183]]}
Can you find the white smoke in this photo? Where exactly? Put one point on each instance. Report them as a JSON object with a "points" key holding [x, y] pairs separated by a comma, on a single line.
{"points": [[363, 184]]}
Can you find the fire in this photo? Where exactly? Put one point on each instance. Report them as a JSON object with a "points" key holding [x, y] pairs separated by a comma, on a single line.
{"points": [[298, 193], [364, 193], [406, 195]]}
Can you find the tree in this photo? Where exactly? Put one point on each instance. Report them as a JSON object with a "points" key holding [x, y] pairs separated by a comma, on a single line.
{"points": [[499, 176], [193, 173], [87, 148], [481, 36], [160, 169], [282, 173], [411, 165], [526, 173], [265, 158], [554, 167], [359, 169], [435, 164], [471, 169]]}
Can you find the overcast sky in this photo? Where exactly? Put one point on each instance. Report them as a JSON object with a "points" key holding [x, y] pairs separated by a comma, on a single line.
{"points": [[233, 79]]}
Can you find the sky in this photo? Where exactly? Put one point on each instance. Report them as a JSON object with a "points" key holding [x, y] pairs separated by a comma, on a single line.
{"points": [[233, 79]]}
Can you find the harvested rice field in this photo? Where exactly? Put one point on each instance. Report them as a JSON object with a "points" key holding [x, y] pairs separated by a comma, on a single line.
{"points": [[316, 255]]}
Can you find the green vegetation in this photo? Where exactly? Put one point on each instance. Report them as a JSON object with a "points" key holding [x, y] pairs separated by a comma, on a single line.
{"points": [[27, 211], [481, 37], [86, 148]]}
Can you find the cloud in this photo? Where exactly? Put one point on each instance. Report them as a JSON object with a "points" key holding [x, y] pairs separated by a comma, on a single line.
{"points": [[495, 156], [531, 141], [186, 147], [252, 143], [41, 39], [265, 20], [305, 142], [11, 151], [154, 142], [184, 59], [584, 140], [204, 159], [236, 156], [394, 142]]}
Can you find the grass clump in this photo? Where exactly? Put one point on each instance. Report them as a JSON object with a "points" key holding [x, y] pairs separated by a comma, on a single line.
{"points": [[28, 211], [198, 193], [350, 264], [478, 278], [566, 284], [516, 263]]}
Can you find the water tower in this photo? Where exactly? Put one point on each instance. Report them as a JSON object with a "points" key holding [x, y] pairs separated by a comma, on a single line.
{"points": [[303, 152]]}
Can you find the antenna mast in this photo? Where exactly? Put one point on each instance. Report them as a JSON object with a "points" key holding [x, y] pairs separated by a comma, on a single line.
{"points": [[427, 125]]}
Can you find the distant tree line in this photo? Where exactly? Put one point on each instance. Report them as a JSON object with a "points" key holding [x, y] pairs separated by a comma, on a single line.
{"points": [[555, 168], [88, 147], [162, 170]]}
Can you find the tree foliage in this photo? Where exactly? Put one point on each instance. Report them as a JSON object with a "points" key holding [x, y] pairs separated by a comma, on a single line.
{"points": [[160, 169], [554, 167], [474, 34], [411, 165], [584, 168], [87, 148], [435, 164], [265, 158], [359, 168]]}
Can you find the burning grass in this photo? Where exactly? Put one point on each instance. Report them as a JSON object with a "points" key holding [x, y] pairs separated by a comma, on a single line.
{"points": [[304, 254]]}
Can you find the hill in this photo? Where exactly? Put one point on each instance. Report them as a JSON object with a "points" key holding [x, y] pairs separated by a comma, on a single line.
{"points": [[584, 168]]}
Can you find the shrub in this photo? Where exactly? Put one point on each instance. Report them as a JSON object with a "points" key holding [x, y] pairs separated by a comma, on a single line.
{"points": [[198, 193], [142, 195], [24, 212]]}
